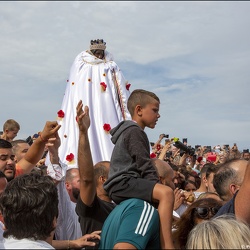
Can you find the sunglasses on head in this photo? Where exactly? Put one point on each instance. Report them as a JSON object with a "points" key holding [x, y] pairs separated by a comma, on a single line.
{"points": [[203, 212]]}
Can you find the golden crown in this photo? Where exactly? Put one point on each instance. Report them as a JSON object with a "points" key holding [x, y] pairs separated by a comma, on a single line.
{"points": [[97, 44]]}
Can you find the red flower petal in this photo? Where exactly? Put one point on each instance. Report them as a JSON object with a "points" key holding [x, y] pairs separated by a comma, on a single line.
{"points": [[128, 86], [60, 114], [70, 157], [104, 86], [106, 127], [152, 155]]}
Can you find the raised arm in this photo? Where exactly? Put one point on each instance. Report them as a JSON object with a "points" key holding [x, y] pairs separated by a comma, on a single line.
{"points": [[165, 149], [85, 162], [242, 210], [36, 150]]}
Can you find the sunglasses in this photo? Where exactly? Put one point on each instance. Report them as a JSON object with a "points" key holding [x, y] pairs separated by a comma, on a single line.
{"points": [[203, 212]]}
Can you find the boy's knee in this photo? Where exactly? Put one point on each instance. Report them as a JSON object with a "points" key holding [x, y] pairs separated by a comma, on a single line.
{"points": [[163, 192]]}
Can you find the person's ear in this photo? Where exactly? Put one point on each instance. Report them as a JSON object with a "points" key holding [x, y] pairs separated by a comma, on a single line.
{"points": [[102, 179], [67, 185], [205, 181], [15, 159], [138, 110], [233, 188], [55, 222]]}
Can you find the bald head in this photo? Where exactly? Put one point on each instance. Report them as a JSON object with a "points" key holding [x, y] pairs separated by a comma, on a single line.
{"points": [[229, 178], [165, 172], [240, 167]]}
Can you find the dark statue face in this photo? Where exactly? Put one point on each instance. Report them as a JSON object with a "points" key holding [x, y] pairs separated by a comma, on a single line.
{"points": [[99, 53]]}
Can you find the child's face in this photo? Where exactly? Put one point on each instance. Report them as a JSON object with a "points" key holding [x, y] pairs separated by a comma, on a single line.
{"points": [[11, 134], [150, 114]]}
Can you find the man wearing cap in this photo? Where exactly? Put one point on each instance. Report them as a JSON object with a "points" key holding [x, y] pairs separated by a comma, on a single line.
{"points": [[98, 81]]}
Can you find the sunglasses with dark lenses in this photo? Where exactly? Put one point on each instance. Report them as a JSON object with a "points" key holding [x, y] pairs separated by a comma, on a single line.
{"points": [[203, 212]]}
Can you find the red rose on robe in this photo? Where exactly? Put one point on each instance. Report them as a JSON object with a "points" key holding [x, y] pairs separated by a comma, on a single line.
{"points": [[106, 127], [104, 86], [152, 155], [60, 114], [128, 86], [70, 157]]}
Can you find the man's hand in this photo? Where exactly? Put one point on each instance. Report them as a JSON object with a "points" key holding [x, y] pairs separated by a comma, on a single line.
{"points": [[86, 240], [82, 117], [54, 143], [179, 198], [49, 130]]}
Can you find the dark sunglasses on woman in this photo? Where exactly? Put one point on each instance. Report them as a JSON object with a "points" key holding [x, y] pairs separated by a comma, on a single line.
{"points": [[203, 212]]}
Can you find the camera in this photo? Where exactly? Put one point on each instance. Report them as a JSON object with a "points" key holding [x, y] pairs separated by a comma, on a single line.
{"points": [[184, 140], [185, 149], [165, 136], [168, 154], [29, 140]]}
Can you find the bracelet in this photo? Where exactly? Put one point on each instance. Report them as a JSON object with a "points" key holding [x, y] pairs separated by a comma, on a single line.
{"points": [[42, 138], [68, 244]]}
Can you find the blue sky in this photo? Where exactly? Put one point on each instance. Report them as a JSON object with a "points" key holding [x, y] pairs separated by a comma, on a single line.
{"points": [[194, 55]]}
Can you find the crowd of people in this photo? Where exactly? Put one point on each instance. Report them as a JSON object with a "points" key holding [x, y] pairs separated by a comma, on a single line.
{"points": [[135, 195]]}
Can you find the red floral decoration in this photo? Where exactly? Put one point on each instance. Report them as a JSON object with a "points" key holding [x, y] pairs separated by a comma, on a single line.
{"points": [[128, 86], [158, 147], [104, 86], [106, 127], [152, 155], [60, 114], [70, 157]]}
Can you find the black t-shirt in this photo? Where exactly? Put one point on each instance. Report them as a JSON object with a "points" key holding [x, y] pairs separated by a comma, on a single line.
{"points": [[92, 218]]}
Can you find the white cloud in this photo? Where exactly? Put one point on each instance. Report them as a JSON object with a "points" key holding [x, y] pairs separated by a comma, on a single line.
{"points": [[194, 54]]}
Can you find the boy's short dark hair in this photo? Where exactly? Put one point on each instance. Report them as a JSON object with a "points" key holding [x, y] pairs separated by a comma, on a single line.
{"points": [[140, 97], [29, 205]]}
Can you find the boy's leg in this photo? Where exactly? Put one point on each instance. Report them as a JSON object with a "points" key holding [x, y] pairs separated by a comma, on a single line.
{"points": [[132, 188], [165, 196]]}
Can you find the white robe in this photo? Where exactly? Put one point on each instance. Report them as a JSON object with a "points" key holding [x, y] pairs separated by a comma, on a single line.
{"points": [[105, 106]]}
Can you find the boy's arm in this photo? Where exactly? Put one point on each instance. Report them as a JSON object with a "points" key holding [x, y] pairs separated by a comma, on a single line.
{"points": [[36, 150], [85, 162], [242, 210]]}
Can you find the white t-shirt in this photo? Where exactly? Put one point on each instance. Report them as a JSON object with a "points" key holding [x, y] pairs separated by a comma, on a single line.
{"points": [[12, 243]]}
